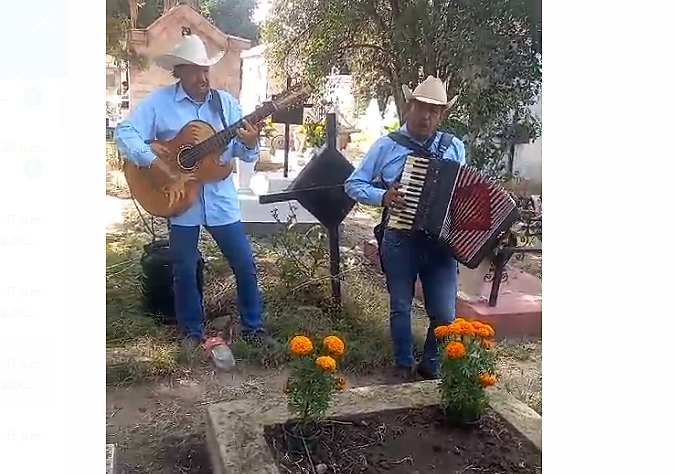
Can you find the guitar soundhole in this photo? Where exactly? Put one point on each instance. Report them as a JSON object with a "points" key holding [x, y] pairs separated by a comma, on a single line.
{"points": [[187, 158]]}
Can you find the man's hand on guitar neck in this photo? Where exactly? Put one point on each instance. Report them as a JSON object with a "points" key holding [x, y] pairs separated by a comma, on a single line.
{"points": [[248, 135]]}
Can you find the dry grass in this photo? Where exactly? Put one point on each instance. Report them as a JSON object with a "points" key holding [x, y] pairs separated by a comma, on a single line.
{"points": [[519, 365], [295, 301]]}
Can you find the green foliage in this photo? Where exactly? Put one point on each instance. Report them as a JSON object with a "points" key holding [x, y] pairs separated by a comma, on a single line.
{"points": [[392, 127], [464, 377], [315, 133], [309, 389], [488, 51], [233, 17], [294, 272], [301, 258]]}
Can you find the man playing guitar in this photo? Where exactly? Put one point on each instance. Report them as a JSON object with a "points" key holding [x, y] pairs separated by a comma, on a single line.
{"points": [[159, 117]]}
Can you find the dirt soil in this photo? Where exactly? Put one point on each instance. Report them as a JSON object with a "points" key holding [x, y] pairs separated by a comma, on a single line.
{"points": [[160, 427], [415, 441]]}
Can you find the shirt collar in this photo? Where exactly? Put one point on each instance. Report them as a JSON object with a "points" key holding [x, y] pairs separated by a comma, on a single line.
{"points": [[181, 94]]}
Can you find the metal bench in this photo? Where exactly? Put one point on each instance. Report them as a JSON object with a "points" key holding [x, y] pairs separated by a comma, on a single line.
{"points": [[523, 238]]}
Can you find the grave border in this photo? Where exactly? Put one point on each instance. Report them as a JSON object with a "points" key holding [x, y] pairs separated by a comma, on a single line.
{"points": [[235, 429]]}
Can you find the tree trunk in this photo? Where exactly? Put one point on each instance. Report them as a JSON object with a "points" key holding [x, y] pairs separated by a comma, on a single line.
{"points": [[401, 105]]}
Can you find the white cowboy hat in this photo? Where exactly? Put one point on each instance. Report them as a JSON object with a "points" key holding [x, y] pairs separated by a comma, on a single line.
{"points": [[190, 49], [431, 91]]}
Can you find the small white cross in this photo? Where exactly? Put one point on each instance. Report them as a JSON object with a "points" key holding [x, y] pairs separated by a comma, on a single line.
{"points": [[43, 21]]}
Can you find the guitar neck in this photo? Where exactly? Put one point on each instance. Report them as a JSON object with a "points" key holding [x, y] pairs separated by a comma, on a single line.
{"points": [[222, 138]]}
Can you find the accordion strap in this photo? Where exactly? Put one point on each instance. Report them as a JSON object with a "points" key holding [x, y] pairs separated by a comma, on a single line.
{"points": [[424, 151]]}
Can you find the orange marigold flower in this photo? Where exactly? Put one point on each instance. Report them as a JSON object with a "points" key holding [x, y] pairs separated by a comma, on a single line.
{"points": [[486, 379], [483, 332], [442, 331], [455, 350], [457, 320], [301, 345], [454, 329], [334, 345], [465, 328], [476, 324], [326, 363], [486, 344], [340, 383], [490, 329]]}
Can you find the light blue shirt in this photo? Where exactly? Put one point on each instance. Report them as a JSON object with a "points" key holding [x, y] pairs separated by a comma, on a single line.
{"points": [[385, 160], [160, 117]]}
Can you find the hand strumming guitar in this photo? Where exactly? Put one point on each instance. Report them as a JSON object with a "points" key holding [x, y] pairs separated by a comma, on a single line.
{"points": [[175, 188], [393, 198]]}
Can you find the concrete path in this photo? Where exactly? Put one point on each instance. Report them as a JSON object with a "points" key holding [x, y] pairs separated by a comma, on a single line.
{"points": [[115, 208]]}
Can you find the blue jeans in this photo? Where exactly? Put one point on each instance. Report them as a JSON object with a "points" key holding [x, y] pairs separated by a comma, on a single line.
{"points": [[234, 245], [404, 258]]}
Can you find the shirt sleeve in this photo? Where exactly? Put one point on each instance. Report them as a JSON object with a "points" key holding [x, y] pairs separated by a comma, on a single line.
{"points": [[359, 186], [132, 135], [456, 151], [237, 149]]}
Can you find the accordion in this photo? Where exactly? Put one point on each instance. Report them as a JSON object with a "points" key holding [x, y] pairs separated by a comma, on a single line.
{"points": [[454, 204]]}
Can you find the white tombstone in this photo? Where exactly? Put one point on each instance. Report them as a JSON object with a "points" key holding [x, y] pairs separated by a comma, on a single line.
{"points": [[255, 86]]}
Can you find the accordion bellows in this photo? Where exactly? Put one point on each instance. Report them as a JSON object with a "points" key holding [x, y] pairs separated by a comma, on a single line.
{"points": [[455, 204]]}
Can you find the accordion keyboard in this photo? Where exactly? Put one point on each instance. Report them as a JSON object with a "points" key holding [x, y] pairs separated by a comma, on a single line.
{"points": [[412, 183]]}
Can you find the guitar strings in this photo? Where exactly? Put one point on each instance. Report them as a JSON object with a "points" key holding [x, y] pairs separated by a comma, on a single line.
{"points": [[222, 137]]}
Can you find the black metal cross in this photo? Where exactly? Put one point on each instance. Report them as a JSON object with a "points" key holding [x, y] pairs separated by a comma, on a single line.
{"points": [[319, 188]]}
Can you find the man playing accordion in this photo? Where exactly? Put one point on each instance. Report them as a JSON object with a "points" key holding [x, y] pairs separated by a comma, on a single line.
{"points": [[405, 255]]}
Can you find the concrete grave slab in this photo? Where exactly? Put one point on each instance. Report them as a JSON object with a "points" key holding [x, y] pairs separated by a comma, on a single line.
{"points": [[518, 313], [235, 430]]}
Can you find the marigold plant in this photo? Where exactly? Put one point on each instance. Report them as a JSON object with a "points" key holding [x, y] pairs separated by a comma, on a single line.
{"points": [[313, 376], [467, 367]]}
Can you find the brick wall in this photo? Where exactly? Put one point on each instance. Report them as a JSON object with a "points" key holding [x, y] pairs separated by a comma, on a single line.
{"points": [[160, 38]]}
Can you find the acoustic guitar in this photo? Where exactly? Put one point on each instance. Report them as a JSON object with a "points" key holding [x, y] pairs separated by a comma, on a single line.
{"points": [[195, 152]]}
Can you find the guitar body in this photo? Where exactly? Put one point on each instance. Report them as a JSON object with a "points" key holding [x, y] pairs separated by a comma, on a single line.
{"points": [[195, 152], [148, 185]]}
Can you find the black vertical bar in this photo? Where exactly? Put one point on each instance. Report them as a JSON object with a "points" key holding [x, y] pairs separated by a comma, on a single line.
{"points": [[287, 135], [499, 263], [334, 247], [287, 146], [331, 131]]}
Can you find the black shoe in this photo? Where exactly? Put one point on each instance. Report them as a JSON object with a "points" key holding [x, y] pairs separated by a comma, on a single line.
{"points": [[426, 373], [402, 374], [254, 338]]}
